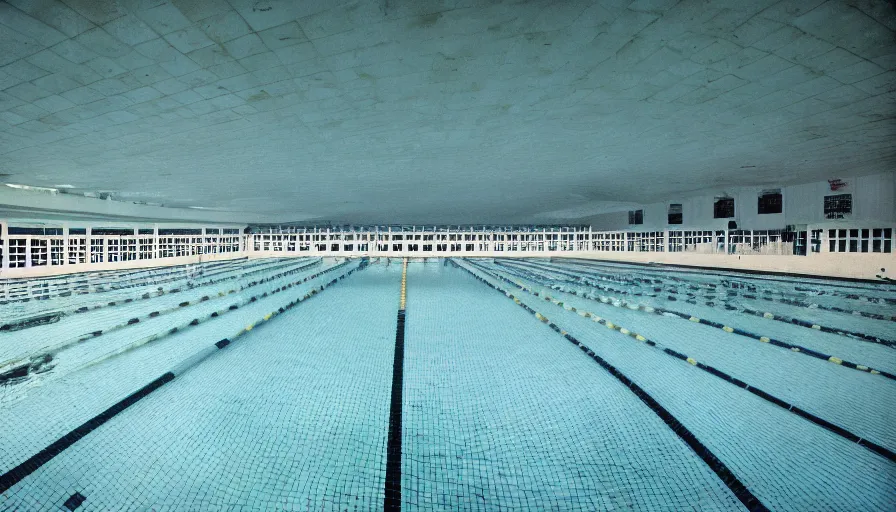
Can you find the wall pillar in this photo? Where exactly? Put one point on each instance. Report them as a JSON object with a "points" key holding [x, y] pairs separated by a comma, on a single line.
{"points": [[28, 252], [4, 240], [65, 237]]}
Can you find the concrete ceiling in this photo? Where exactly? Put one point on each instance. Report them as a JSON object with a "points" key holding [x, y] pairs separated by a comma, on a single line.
{"points": [[448, 111]]}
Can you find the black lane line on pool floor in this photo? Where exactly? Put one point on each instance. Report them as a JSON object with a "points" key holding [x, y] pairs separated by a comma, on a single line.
{"points": [[393, 450], [33, 463], [16, 474], [743, 494], [836, 429], [392, 500]]}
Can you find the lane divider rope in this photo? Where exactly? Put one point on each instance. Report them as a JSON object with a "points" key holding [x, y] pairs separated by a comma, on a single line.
{"points": [[767, 315], [56, 315], [840, 431], [21, 471], [215, 314], [740, 491], [732, 330]]}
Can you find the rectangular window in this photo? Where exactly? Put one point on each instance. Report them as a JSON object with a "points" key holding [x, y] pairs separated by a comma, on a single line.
{"points": [[111, 232], [112, 245], [77, 250], [56, 252], [96, 250], [858, 240], [771, 201], [166, 247], [128, 249], [34, 231], [675, 215], [838, 206], [146, 248], [17, 251], [174, 232], [723, 208], [635, 217], [39, 252]]}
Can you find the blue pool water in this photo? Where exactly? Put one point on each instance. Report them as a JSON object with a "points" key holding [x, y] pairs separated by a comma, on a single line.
{"points": [[522, 385]]}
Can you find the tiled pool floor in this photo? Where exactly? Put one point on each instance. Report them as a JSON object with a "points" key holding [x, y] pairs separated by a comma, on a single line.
{"points": [[499, 410]]}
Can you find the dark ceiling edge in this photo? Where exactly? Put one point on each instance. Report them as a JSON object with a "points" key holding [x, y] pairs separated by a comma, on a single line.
{"points": [[13, 213]]}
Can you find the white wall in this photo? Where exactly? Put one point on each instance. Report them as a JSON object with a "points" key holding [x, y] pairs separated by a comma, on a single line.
{"points": [[873, 200]]}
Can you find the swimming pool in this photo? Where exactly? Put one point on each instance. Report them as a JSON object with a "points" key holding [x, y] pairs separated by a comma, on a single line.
{"points": [[303, 384]]}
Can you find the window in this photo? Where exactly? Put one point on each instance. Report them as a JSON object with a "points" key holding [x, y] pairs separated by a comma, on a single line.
{"points": [[111, 232], [56, 251], [815, 241], [860, 240], [38, 252], [771, 201], [675, 215], [97, 250], [838, 206], [635, 217], [166, 247], [112, 246], [17, 251], [170, 232], [723, 208], [77, 250], [676, 241], [35, 231], [146, 248], [128, 249]]}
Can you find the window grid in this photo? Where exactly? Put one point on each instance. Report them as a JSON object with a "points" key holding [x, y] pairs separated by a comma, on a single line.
{"points": [[57, 251], [18, 248], [147, 251], [860, 240], [77, 250], [97, 245], [39, 252]]}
